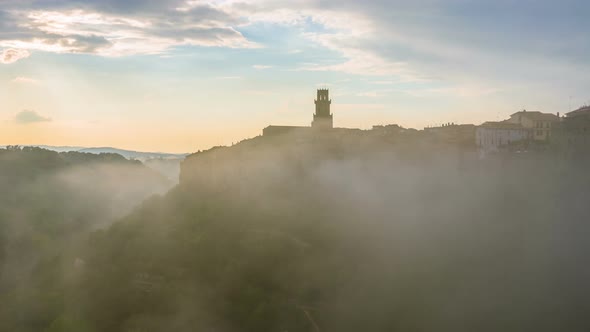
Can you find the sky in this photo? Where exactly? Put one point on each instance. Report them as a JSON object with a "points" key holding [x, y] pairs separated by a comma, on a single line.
{"points": [[180, 76]]}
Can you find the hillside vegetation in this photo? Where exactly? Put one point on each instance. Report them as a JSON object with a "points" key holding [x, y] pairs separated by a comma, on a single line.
{"points": [[333, 235], [49, 203]]}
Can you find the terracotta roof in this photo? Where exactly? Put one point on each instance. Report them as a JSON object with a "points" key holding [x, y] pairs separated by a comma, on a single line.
{"points": [[537, 116]]}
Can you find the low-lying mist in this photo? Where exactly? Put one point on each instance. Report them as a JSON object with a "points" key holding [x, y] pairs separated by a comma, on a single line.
{"points": [[49, 203], [334, 235], [170, 167], [338, 236]]}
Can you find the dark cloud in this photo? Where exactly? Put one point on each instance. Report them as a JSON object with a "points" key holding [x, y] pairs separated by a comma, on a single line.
{"points": [[531, 39], [107, 6], [127, 6], [27, 117], [115, 28], [495, 42], [455, 32], [6, 21], [204, 13]]}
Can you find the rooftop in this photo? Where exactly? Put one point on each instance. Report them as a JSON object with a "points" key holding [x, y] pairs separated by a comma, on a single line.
{"points": [[538, 116], [580, 111], [501, 125]]}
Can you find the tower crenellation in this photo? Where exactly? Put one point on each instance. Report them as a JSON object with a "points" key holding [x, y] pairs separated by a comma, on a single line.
{"points": [[323, 118]]}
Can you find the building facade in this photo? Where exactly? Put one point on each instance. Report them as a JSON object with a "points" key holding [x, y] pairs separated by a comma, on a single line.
{"points": [[493, 136], [573, 135], [323, 118], [459, 134], [539, 124], [576, 126]]}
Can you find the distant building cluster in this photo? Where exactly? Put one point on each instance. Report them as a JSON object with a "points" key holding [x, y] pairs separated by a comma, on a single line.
{"points": [[522, 127], [533, 130], [524, 130]]}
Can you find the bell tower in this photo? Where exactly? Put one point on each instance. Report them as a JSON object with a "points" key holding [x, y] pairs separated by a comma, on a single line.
{"points": [[323, 118]]}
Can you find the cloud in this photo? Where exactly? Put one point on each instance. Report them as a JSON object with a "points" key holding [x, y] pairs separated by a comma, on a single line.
{"points": [[27, 117], [260, 67], [341, 31], [11, 55], [455, 41], [25, 80], [89, 30], [465, 42]]}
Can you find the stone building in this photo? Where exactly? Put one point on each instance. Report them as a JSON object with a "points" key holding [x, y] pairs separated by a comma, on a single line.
{"points": [[573, 133], [459, 134], [323, 119], [576, 125], [493, 136], [539, 124]]}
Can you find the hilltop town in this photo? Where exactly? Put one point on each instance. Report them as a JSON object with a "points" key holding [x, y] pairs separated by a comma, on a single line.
{"points": [[526, 135], [522, 131]]}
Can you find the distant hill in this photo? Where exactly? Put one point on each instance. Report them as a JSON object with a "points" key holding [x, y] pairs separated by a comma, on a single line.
{"points": [[129, 154], [167, 164], [60, 148], [30, 176]]}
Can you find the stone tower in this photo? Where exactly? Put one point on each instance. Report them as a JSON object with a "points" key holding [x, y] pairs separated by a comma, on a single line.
{"points": [[322, 118]]}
